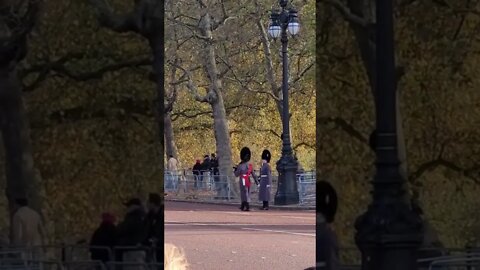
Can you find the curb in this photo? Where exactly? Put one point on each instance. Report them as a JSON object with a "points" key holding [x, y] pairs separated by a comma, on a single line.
{"points": [[253, 205]]}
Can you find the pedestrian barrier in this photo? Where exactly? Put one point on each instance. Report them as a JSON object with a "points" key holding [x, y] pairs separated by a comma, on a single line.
{"points": [[82, 252], [323, 266], [466, 261], [68, 257], [12, 263], [455, 263], [350, 267], [128, 266], [219, 187], [84, 265]]}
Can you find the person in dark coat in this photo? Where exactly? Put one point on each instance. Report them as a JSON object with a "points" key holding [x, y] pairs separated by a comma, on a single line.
{"points": [[205, 170], [196, 170], [104, 237], [215, 174], [154, 225], [206, 165], [244, 171], [131, 232], [214, 164], [326, 240], [265, 179]]}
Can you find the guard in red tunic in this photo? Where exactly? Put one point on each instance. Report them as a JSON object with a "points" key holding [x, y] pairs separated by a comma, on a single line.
{"points": [[244, 171]]}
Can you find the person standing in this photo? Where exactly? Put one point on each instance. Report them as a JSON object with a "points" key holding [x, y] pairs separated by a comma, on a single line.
{"points": [[27, 228], [301, 178], [154, 226], [196, 171], [172, 164], [172, 169], [326, 240], [265, 179], [214, 164], [205, 171], [103, 237], [214, 172], [244, 170], [131, 233]]}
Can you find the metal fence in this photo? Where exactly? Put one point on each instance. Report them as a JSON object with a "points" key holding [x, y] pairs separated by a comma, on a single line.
{"points": [[451, 259], [218, 187], [75, 257]]}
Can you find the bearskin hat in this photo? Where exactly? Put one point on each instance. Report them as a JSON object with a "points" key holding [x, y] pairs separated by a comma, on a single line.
{"points": [[327, 200], [245, 154], [266, 155]]}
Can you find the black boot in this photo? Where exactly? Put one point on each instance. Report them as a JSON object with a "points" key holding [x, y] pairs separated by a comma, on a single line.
{"points": [[247, 206], [242, 206], [266, 205]]}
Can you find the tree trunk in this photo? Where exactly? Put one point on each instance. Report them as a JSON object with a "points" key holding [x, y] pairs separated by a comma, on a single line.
{"points": [[224, 148], [170, 146], [157, 47], [215, 98], [22, 179]]}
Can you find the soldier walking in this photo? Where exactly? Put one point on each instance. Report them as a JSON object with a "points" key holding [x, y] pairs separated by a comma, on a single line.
{"points": [[244, 170]]}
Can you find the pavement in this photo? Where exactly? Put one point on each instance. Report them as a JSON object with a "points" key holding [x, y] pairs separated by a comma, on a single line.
{"points": [[219, 236], [295, 207]]}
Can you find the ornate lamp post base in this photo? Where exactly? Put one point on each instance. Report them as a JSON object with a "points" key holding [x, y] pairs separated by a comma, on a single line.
{"points": [[287, 192], [388, 236]]}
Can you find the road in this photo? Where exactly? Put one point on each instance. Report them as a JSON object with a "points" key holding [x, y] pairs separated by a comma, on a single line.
{"points": [[223, 237]]}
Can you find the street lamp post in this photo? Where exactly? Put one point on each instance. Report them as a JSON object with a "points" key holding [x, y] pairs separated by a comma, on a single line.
{"points": [[282, 23], [389, 233]]}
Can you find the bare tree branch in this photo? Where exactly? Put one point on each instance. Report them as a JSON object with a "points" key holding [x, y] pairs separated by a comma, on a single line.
{"points": [[466, 11], [268, 56], [347, 14], [471, 173], [192, 86], [59, 68], [302, 73], [17, 27], [270, 131], [185, 113], [344, 125], [244, 86], [171, 97], [122, 109], [117, 23], [298, 145], [195, 127], [202, 4], [225, 18]]}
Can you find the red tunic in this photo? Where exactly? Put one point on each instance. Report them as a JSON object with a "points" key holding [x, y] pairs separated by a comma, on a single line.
{"points": [[246, 177]]}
